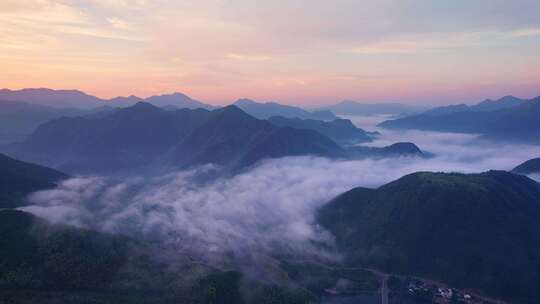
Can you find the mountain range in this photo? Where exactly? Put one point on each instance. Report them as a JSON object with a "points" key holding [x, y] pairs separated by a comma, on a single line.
{"points": [[477, 231], [517, 123], [269, 109], [349, 107], [80, 100], [487, 105], [144, 136], [19, 119]]}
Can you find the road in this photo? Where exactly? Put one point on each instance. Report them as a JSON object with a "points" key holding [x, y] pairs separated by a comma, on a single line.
{"points": [[384, 289]]}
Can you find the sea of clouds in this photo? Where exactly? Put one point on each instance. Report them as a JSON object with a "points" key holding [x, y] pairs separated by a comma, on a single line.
{"points": [[271, 208]]}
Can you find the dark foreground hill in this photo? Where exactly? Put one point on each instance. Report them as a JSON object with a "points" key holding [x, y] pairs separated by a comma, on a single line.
{"points": [[147, 136], [478, 231], [45, 263], [529, 167], [18, 179], [518, 123], [36, 255]]}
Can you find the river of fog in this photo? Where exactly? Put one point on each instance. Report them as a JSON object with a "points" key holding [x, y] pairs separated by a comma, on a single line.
{"points": [[270, 208]]}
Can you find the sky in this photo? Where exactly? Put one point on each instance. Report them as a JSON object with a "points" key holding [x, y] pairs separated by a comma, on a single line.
{"points": [[304, 52]]}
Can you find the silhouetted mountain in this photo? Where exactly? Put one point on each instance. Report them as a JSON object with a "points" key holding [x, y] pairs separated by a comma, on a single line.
{"points": [[123, 139], [349, 107], [323, 115], [137, 136], [401, 149], [499, 104], [447, 109], [77, 99], [269, 109], [339, 130], [487, 105], [18, 179], [52, 98], [20, 119], [518, 123], [529, 167], [477, 231], [178, 100], [123, 102], [233, 138]]}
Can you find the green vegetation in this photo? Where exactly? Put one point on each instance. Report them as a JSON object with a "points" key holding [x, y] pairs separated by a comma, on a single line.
{"points": [[35, 255], [477, 231]]}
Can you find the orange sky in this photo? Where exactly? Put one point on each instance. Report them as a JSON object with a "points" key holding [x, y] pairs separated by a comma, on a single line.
{"points": [[304, 52]]}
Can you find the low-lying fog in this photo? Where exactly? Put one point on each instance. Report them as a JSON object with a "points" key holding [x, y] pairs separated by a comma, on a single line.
{"points": [[270, 208]]}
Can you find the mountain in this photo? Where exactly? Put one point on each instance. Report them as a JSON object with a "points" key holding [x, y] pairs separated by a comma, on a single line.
{"points": [[269, 109], [349, 107], [499, 104], [49, 263], [18, 179], [123, 102], [36, 255], [122, 139], [400, 149], [459, 229], [323, 115], [339, 130], [516, 124], [79, 100], [487, 105], [231, 137], [178, 100], [447, 109], [529, 167], [147, 136], [19, 119], [52, 98]]}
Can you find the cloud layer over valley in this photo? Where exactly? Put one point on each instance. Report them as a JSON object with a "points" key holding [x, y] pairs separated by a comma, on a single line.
{"points": [[269, 209]]}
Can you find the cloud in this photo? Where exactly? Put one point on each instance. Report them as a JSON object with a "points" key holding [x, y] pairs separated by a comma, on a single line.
{"points": [[226, 47], [269, 210], [526, 32], [248, 57]]}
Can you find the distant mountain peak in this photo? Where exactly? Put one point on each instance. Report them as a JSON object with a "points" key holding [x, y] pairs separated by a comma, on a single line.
{"points": [[245, 101], [231, 111], [144, 105]]}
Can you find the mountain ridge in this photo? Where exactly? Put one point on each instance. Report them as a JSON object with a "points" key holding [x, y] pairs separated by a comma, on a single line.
{"points": [[79, 99], [136, 136], [439, 226], [269, 109], [514, 124]]}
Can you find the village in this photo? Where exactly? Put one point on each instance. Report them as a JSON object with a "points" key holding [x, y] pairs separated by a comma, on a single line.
{"points": [[423, 292]]}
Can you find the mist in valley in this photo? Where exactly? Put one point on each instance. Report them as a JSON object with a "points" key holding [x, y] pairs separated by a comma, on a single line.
{"points": [[268, 210]]}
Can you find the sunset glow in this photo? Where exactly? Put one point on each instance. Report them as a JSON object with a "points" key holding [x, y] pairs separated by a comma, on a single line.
{"points": [[304, 52]]}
